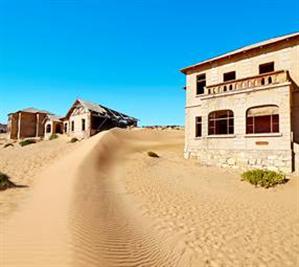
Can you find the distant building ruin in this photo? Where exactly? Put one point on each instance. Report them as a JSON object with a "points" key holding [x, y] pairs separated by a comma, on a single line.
{"points": [[83, 120], [26, 123]]}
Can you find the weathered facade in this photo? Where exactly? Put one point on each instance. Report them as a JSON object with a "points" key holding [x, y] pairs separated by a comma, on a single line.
{"points": [[26, 123], [242, 108], [85, 119]]}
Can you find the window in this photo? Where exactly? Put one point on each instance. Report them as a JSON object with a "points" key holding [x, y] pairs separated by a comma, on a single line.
{"points": [[229, 76], [83, 124], [267, 67], [200, 83], [198, 127], [65, 127], [221, 122], [73, 126], [48, 128], [262, 120]]}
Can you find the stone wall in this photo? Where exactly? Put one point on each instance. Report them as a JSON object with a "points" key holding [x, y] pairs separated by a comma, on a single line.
{"points": [[12, 126], [245, 159]]}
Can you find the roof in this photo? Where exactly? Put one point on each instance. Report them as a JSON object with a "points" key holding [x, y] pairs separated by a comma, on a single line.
{"points": [[54, 117], [32, 110], [102, 110], [243, 50]]}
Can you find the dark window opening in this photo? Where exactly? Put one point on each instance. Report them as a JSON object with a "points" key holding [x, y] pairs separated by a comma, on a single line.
{"points": [[83, 124], [200, 84], [262, 120], [58, 128], [73, 126], [267, 67], [221, 122], [65, 127], [270, 80], [48, 128], [198, 127], [229, 76]]}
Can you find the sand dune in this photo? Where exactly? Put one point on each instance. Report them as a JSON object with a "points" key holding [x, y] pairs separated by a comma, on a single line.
{"points": [[108, 204]]}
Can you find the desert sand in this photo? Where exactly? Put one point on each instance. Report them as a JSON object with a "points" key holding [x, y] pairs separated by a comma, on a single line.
{"points": [[104, 202]]}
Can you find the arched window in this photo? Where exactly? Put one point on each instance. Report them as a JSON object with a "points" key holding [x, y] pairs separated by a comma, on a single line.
{"points": [[263, 119], [48, 128], [221, 122]]}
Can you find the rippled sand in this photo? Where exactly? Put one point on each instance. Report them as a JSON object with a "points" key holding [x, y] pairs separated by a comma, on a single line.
{"points": [[108, 204]]}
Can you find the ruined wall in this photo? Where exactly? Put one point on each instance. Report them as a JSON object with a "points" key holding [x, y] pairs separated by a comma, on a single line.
{"points": [[77, 119], [12, 126], [27, 125], [41, 128]]}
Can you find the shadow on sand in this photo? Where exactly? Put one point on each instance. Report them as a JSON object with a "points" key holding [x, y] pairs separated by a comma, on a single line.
{"points": [[5, 183]]}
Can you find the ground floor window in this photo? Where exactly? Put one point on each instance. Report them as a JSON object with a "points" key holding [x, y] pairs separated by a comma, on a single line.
{"points": [[65, 127], [48, 128], [198, 127], [263, 119], [83, 124], [221, 122], [73, 126]]}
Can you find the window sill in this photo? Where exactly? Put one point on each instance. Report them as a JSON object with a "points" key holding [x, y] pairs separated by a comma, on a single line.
{"points": [[263, 135], [222, 136], [198, 138]]}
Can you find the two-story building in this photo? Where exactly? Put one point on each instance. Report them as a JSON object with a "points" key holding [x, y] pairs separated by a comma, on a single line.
{"points": [[242, 108]]}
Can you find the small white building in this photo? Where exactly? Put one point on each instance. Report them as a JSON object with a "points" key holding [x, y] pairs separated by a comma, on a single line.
{"points": [[85, 119], [53, 125]]}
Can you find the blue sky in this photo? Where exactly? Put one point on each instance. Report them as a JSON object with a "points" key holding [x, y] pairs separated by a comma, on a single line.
{"points": [[123, 54]]}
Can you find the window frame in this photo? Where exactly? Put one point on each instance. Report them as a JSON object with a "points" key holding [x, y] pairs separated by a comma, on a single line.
{"points": [[203, 80], [264, 65], [198, 123], [48, 128], [274, 123], [83, 125], [228, 73], [213, 121]]}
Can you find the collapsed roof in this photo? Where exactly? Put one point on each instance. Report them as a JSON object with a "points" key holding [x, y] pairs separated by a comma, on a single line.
{"points": [[101, 111]]}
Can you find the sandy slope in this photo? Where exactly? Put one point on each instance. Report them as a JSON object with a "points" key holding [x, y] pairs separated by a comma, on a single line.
{"points": [[108, 204]]}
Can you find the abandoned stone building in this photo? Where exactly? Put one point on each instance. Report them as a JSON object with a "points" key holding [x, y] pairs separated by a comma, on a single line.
{"points": [[26, 123], [242, 108], [85, 119]]}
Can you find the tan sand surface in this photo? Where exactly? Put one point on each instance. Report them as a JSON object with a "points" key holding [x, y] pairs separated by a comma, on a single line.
{"points": [[108, 204]]}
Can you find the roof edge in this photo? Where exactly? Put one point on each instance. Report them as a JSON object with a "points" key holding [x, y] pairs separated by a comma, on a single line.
{"points": [[240, 50]]}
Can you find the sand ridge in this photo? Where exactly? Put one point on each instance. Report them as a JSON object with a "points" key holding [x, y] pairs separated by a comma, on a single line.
{"points": [[108, 204]]}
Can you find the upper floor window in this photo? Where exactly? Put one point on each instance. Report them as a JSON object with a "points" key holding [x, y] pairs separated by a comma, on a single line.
{"points": [[229, 76], [198, 127], [221, 122], [267, 67], [263, 119], [200, 83], [83, 124]]}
